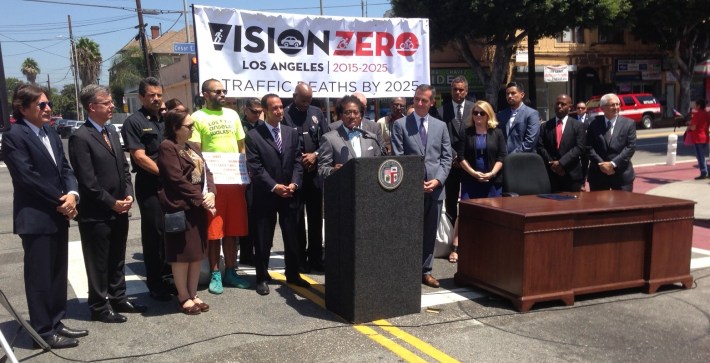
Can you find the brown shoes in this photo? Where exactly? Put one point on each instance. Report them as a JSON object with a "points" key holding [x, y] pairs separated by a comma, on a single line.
{"points": [[430, 281]]}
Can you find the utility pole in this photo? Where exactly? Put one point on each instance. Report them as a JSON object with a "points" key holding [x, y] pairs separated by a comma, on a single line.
{"points": [[75, 63], [49, 87], [327, 99], [142, 39]]}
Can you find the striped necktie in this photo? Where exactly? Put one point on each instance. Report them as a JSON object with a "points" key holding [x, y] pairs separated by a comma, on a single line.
{"points": [[277, 139]]}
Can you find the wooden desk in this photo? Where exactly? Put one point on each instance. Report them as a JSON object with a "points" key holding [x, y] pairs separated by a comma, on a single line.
{"points": [[530, 249]]}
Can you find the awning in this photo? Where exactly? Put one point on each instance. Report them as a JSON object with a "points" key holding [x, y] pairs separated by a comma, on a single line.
{"points": [[702, 68]]}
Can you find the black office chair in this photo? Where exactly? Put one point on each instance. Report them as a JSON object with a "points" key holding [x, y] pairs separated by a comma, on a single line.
{"points": [[525, 174]]}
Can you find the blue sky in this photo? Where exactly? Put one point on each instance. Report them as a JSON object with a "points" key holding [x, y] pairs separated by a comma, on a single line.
{"points": [[40, 29]]}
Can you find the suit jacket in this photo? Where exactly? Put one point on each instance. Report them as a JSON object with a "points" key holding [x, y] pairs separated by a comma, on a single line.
{"points": [[176, 166], [456, 127], [495, 150], [312, 128], [37, 181], [367, 125], [437, 156], [102, 172], [572, 146], [268, 167], [525, 129], [335, 148], [619, 149]]}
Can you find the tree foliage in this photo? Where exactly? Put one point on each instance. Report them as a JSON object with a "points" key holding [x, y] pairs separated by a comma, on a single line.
{"points": [[30, 69], [496, 27], [11, 83], [126, 71], [681, 28], [89, 61]]}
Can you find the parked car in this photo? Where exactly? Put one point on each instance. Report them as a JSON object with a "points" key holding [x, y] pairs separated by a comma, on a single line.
{"points": [[68, 127], [118, 124], [58, 123], [643, 108]]}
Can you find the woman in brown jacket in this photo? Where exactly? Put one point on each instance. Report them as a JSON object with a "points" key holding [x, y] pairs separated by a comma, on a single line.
{"points": [[187, 186]]}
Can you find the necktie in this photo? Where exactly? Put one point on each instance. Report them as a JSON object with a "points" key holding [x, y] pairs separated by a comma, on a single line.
{"points": [[277, 139], [422, 131], [459, 112], [607, 136], [559, 133], [104, 133], [45, 140]]}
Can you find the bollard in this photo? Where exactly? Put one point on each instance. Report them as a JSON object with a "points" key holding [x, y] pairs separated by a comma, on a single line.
{"points": [[672, 149]]}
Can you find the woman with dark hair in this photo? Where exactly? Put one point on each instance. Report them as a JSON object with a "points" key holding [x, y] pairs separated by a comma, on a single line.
{"points": [[175, 104], [481, 157], [187, 186], [698, 135]]}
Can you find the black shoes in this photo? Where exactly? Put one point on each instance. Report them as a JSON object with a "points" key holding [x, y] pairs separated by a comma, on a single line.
{"points": [[109, 317], [129, 307], [317, 266], [57, 341], [701, 177], [262, 288], [72, 333], [299, 282]]}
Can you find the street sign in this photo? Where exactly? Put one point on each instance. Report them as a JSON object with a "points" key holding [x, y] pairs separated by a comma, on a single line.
{"points": [[184, 48]]}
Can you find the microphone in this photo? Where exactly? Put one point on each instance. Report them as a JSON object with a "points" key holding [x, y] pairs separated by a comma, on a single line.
{"points": [[369, 135]]}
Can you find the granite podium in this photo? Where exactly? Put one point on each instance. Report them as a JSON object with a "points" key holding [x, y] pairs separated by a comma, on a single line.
{"points": [[373, 238]]}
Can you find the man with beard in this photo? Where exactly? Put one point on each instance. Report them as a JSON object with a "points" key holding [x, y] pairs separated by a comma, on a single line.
{"points": [[520, 123], [397, 106]]}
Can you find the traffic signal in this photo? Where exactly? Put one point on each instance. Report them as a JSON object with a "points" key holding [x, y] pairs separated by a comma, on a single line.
{"points": [[194, 74]]}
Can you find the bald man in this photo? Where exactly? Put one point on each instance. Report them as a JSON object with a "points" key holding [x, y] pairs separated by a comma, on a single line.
{"points": [[310, 124]]}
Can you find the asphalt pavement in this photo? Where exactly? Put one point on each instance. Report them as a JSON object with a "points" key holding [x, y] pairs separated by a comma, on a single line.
{"points": [[455, 323]]}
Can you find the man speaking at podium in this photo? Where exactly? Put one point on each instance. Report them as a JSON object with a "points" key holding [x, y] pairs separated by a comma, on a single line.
{"points": [[348, 140], [421, 134]]}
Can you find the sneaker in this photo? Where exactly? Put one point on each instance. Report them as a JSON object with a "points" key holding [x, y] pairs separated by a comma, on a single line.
{"points": [[232, 279], [216, 283]]}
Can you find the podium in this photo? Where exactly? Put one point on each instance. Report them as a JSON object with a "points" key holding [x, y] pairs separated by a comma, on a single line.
{"points": [[373, 238]]}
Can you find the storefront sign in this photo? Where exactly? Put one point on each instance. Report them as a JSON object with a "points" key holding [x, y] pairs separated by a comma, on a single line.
{"points": [[556, 74]]}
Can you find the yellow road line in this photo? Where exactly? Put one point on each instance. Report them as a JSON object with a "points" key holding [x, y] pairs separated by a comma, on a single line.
{"points": [[301, 291], [315, 285], [389, 344], [414, 341]]}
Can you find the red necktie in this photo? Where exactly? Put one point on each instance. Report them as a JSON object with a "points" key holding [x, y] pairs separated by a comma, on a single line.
{"points": [[559, 133]]}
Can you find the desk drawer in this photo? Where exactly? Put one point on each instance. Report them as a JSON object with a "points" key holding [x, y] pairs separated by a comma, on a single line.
{"points": [[630, 216]]}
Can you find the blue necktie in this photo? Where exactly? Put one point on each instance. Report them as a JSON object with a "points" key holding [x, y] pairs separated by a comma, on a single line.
{"points": [[277, 139]]}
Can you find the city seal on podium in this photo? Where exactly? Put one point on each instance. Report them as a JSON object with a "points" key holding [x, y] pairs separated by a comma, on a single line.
{"points": [[390, 174]]}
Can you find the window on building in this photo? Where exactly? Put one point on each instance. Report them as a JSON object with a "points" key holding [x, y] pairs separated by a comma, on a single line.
{"points": [[611, 36], [572, 35]]}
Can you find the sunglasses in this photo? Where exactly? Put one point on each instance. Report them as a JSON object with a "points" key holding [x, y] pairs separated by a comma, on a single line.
{"points": [[351, 113], [43, 105], [218, 91], [254, 111], [479, 113]]}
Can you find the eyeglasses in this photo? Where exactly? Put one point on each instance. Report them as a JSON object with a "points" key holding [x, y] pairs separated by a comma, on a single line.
{"points": [[479, 113], [43, 105], [351, 113], [105, 103], [254, 111], [189, 127], [397, 105], [218, 91]]}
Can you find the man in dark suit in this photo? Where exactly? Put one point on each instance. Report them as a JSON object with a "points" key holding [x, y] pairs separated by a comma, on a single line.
{"points": [[421, 134], [274, 161], [252, 118], [310, 124], [340, 145], [455, 114], [611, 142], [365, 124], [561, 145], [585, 119], [45, 198], [520, 123], [107, 196]]}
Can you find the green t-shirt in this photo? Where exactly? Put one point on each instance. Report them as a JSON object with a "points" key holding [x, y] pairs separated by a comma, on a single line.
{"points": [[217, 131]]}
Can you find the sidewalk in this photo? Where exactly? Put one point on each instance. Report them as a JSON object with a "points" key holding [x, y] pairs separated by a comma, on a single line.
{"points": [[677, 181]]}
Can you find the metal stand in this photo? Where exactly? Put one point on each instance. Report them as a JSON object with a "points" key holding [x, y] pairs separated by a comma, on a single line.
{"points": [[23, 324]]}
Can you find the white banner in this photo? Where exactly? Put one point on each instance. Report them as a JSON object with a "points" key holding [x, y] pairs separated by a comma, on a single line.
{"points": [[258, 53], [556, 74], [227, 168]]}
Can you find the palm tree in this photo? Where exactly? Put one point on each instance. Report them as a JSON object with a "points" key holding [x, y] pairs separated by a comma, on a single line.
{"points": [[30, 69], [89, 61], [126, 68]]}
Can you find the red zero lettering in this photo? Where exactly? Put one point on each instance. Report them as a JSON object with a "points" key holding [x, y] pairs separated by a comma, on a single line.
{"points": [[384, 43], [361, 47], [407, 44], [343, 40]]}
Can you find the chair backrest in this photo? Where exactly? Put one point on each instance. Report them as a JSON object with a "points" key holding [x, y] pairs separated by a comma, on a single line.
{"points": [[525, 174]]}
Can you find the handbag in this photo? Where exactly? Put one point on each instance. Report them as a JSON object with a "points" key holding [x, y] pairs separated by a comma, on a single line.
{"points": [[175, 222]]}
